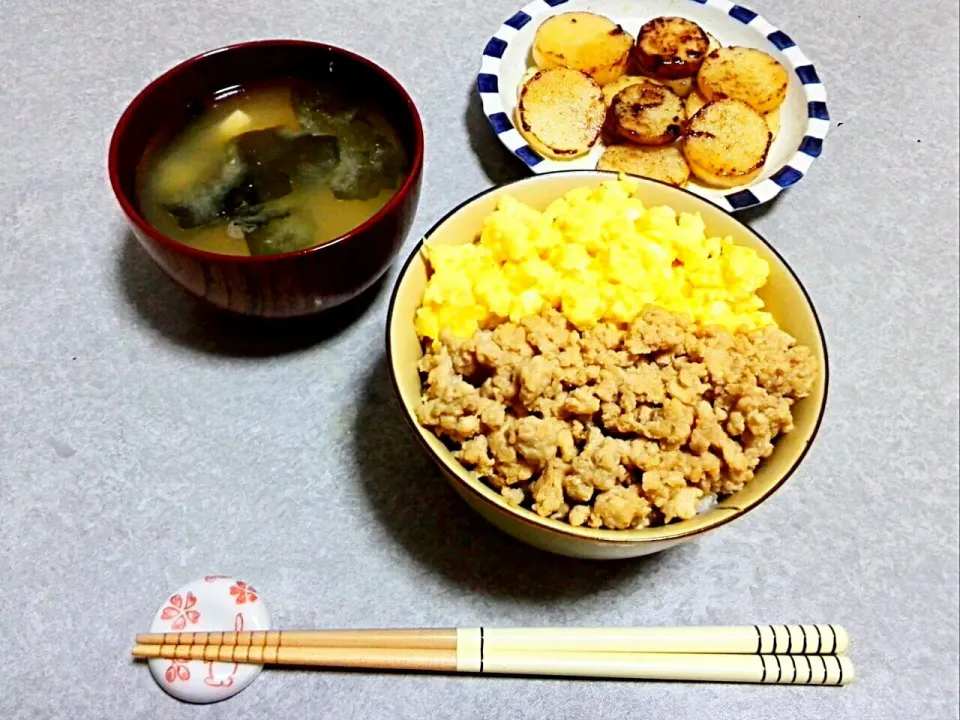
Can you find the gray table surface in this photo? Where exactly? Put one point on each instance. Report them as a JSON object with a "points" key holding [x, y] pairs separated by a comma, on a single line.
{"points": [[146, 441]]}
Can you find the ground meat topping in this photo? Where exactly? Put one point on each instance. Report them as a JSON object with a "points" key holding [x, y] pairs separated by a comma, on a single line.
{"points": [[614, 427]]}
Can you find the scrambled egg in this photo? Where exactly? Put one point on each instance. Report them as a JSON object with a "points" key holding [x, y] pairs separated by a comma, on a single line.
{"points": [[595, 255]]}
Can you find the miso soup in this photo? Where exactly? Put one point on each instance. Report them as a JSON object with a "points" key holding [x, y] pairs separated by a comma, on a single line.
{"points": [[271, 169]]}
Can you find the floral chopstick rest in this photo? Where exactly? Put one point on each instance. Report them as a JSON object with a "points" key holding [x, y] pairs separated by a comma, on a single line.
{"points": [[213, 603]]}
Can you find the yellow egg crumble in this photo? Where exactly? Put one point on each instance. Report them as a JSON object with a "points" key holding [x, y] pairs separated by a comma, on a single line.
{"points": [[594, 255]]}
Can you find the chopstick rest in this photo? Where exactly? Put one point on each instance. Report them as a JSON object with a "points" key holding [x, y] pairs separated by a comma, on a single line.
{"points": [[211, 603]]}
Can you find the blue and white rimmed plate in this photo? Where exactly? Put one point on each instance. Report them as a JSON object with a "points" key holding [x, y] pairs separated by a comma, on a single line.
{"points": [[804, 120]]}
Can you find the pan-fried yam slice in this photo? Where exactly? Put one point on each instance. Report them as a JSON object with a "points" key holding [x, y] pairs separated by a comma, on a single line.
{"points": [[722, 181], [583, 41], [684, 86], [670, 48], [561, 113], [745, 74], [610, 90], [647, 113], [727, 143], [666, 163], [773, 122], [527, 77], [681, 87], [693, 102]]}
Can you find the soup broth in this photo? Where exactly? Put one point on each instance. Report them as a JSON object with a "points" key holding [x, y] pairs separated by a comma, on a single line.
{"points": [[272, 169]]}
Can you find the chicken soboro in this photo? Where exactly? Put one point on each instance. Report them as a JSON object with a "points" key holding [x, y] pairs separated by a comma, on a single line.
{"points": [[614, 427]]}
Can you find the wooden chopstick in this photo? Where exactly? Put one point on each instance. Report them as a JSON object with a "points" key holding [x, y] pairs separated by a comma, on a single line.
{"points": [[439, 639], [746, 640], [739, 668]]}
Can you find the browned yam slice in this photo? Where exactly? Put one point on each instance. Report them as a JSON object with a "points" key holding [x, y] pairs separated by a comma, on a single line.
{"points": [[561, 113], [723, 181], [681, 87], [666, 163], [684, 86], [670, 48], [611, 89], [745, 74], [727, 143], [647, 113], [525, 78], [693, 102], [583, 41], [773, 122]]}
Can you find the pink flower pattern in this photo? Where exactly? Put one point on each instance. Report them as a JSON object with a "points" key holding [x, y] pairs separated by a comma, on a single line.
{"points": [[243, 592], [178, 670], [181, 612]]}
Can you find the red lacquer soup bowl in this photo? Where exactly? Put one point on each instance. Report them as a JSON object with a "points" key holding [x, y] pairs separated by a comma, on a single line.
{"points": [[287, 284]]}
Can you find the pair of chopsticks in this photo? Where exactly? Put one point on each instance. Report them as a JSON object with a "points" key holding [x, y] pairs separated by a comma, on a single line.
{"points": [[781, 654]]}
